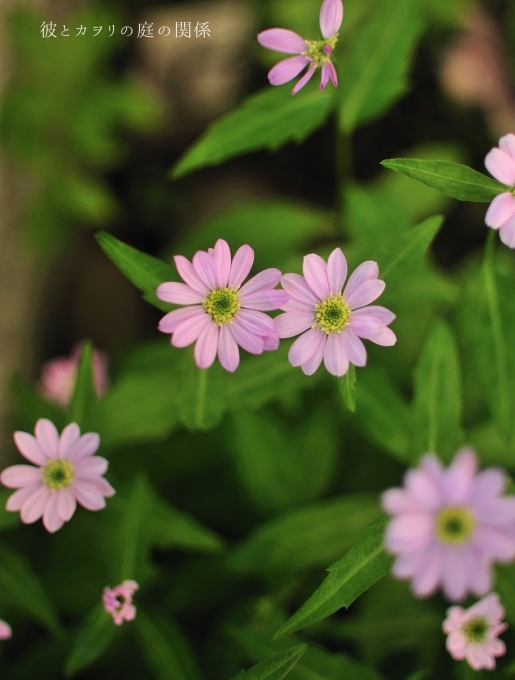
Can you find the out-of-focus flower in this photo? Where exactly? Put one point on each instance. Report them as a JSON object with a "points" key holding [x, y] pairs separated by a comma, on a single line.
{"points": [[221, 313], [312, 53], [58, 376], [473, 632], [336, 320], [449, 526], [500, 162], [118, 601], [5, 630], [67, 472]]}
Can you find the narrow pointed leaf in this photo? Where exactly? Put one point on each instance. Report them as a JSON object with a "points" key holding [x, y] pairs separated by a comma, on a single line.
{"points": [[83, 396], [266, 120], [91, 641], [134, 532], [348, 388], [452, 179], [144, 271], [275, 668], [355, 572]]}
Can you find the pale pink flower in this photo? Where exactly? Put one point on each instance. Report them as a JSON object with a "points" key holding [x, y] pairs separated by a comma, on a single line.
{"points": [[5, 630], [118, 601], [500, 162], [221, 313], [473, 632], [66, 472], [312, 53], [332, 322], [58, 376], [449, 526]]}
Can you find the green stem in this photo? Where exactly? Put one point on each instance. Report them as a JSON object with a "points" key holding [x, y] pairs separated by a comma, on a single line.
{"points": [[201, 395]]}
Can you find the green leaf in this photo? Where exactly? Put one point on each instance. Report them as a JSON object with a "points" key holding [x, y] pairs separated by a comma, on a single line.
{"points": [[348, 388], [369, 85], [134, 531], [275, 668], [311, 536], [21, 588], [352, 575], [144, 271], [83, 396], [8, 520], [382, 414], [452, 179], [165, 649], [266, 120], [418, 675], [202, 399], [91, 642], [437, 404], [399, 258], [505, 586]]}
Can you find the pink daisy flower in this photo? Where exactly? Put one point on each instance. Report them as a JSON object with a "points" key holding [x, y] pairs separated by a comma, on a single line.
{"points": [[473, 632], [332, 322], [66, 472], [221, 313], [312, 53], [58, 376], [5, 630], [449, 526], [118, 601], [500, 162]]}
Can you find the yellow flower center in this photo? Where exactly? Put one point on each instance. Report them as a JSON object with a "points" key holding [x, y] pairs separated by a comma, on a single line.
{"points": [[454, 525], [316, 52], [332, 314], [58, 474], [476, 629], [222, 304]]}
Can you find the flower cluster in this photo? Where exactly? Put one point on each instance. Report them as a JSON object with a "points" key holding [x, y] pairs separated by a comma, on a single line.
{"points": [[500, 162], [118, 601]]}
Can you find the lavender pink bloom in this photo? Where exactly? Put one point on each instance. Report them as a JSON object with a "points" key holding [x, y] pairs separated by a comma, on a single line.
{"points": [[473, 633], [449, 526], [118, 601], [500, 163], [220, 313], [64, 472], [332, 322], [5, 630], [311, 53], [58, 376]]}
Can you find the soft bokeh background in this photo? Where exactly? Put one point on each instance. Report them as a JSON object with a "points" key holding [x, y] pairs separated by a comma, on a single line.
{"points": [[89, 130]]}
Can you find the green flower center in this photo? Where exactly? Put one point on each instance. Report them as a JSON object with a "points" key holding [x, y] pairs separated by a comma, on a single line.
{"points": [[222, 304], [476, 629], [58, 474], [454, 525], [316, 52], [332, 314]]}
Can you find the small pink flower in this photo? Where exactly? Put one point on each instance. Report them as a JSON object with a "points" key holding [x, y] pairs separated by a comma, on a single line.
{"points": [[312, 53], [332, 322], [67, 472], [500, 162], [473, 632], [221, 313], [118, 602], [449, 526], [5, 630], [58, 376]]}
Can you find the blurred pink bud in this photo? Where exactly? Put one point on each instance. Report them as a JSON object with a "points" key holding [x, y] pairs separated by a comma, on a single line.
{"points": [[5, 630], [118, 601]]}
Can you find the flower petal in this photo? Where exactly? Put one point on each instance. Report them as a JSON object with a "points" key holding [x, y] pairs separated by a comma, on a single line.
{"points": [[93, 466], [427, 577], [271, 342], [51, 519], [265, 300], [29, 447], [47, 436], [331, 17], [66, 504], [241, 265], [189, 275], [315, 273], [355, 348], [188, 331], [17, 476], [501, 166], [86, 446], [336, 359], [313, 363], [365, 293], [375, 313], [256, 322], [304, 347], [293, 323], [18, 498], [382, 336], [332, 73], [507, 233], [249, 341], [305, 79], [205, 268], [34, 506], [459, 477], [336, 271], [172, 320], [324, 77], [286, 70], [268, 278], [228, 352], [178, 293], [296, 286], [282, 40], [222, 257], [206, 346], [365, 272], [88, 495], [501, 209], [69, 438], [103, 486], [507, 144]]}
